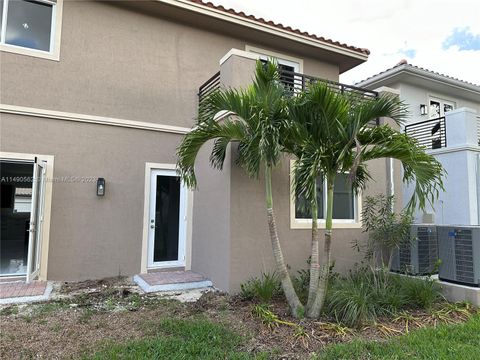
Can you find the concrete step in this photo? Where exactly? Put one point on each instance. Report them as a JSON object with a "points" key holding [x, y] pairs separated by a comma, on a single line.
{"points": [[165, 281]]}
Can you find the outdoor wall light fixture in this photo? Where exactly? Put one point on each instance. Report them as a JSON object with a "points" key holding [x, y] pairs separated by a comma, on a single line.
{"points": [[100, 187], [423, 109]]}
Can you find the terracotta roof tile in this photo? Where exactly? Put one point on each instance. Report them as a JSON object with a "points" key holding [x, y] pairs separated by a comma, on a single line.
{"points": [[404, 62], [281, 26]]}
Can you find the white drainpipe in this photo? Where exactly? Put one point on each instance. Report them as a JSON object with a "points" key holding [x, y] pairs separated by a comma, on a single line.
{"points": [[478, 189]]}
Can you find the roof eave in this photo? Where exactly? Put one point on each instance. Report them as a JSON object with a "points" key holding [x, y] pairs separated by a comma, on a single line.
{"points": [[357, 56], [407, 69]]}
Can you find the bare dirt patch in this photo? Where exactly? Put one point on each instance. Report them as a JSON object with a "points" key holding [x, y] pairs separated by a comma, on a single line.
{"points": [[86, 316]]}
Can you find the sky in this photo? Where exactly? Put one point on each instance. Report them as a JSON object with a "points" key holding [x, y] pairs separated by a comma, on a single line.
{"points": [[440, 35]]}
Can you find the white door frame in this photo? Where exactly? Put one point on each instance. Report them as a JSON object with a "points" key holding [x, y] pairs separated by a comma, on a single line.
{"points": [[186, 199], [48, 161], [36, 221]]}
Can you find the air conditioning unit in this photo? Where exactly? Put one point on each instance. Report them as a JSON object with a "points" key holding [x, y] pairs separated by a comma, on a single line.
{"points": [[459, 252], [418, 256]]}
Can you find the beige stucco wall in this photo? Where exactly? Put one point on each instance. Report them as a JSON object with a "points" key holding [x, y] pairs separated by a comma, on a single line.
{"points": [[250, 248], [147, 71], [90, 236], [122, 63]]}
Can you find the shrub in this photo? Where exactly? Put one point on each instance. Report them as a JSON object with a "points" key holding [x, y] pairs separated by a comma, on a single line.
{"points": [[363, 295], [263, 289], [351, 303], [421, 293], [386, 230], [247, 289]]}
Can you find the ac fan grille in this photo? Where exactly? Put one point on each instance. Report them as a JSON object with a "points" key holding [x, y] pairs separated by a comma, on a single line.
{"points": [[464, 256]]}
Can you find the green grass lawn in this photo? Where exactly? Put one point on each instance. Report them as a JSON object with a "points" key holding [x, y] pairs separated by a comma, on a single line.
{"points": [[202, 339], [460, 341], [181, 339]]}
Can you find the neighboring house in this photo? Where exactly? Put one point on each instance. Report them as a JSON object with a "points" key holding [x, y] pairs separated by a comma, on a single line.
{"points": [[95, 98], [445, 118]]}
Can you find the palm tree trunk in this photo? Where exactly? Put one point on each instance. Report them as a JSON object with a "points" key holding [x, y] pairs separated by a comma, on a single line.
{"points": [[314, 257], [281, 268], [315, 310]]}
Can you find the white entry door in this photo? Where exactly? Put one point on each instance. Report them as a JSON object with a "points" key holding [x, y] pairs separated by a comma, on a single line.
{"points": [[167, 220], [36, 221]]}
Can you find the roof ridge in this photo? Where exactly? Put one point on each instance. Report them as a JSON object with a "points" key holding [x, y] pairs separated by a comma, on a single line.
{"points": [[209, 4], [404, 63]]}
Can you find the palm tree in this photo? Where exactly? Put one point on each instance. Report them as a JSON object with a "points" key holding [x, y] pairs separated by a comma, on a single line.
{"points": [[331, 133], [254, 118]]}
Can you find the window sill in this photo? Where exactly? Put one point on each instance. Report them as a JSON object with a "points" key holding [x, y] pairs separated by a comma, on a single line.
{"points": [[30, 52], [338, 224]]}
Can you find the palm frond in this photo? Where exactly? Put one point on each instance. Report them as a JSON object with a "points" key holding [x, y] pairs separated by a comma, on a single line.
{"points": [[253, 117], [191, 144], [418, 166]]}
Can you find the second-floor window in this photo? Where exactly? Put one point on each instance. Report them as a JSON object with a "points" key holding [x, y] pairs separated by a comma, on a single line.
{"points": [[28, 24], [439, 107]]}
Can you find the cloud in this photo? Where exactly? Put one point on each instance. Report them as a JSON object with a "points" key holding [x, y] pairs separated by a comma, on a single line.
{"points": [[409, 53], [390, 29], [463, 38]]}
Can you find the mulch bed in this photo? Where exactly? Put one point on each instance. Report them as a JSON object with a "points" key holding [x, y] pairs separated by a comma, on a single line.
{"points": [[88, 315]]}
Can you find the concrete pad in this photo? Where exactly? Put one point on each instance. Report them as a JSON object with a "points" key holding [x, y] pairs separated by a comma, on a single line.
{"points": [[459, 293], [27, 294]]}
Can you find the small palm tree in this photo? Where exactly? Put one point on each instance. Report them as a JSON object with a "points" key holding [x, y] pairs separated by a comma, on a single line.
{"points": [[255, 119], [331, 133]]}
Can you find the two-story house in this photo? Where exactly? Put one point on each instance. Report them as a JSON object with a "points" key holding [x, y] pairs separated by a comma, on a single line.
{"points": [[445, 118], [95, 98]]}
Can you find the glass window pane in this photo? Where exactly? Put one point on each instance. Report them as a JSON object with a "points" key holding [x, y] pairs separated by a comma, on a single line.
{"points": [[343, 198], [447, 108], [29, 24], [434, 109], [167, 213], [302, 207], [22, 201]]}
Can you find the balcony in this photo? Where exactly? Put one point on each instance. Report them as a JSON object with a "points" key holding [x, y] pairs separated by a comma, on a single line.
{"points": [[294, 83]]}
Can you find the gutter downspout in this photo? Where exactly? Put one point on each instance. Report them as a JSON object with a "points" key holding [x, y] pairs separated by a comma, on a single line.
{"points": [[478, 189], [391, 189]]}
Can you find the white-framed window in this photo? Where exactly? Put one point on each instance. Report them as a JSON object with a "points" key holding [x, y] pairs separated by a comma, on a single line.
{"points": [[31, 27], [438, 107], [346, 205]]}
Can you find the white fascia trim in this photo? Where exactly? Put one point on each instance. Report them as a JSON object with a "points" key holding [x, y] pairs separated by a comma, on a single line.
{"points": [[454, 149], [408, 69], [202, 9], [93, 119], [386, 89], [240, 53]]}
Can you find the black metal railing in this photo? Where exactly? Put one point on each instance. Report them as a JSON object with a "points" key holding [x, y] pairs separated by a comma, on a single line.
{"points": [[296, 82], [207, 88], [432, 134]]}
